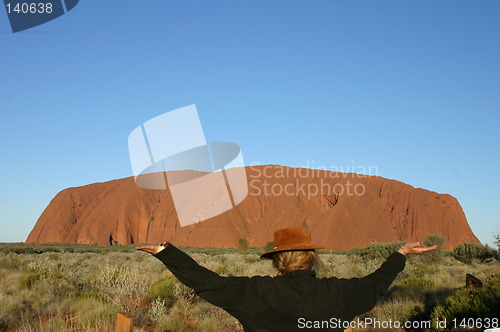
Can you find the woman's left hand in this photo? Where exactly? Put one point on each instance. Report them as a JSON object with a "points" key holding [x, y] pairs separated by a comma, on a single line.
{"points": [[152, 249], [415, 248]]}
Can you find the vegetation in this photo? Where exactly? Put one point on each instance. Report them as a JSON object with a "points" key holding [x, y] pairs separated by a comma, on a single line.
{"points": [[435, 256], [269, 246], [375, 250], [496, 238], [61, 287], [464, 304], [474, 252], [243, 246]]}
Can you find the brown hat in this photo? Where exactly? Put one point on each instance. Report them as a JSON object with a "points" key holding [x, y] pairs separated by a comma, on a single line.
{"points": [[293, 238]]}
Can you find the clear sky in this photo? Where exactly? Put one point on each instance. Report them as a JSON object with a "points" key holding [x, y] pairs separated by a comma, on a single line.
{"points": [[411, 87]]}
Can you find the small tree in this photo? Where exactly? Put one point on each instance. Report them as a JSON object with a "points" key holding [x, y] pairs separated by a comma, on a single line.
{"points": [[469, 252], [497, 240], [434, 256], [375, 250], [269, 246], [242, 246]]}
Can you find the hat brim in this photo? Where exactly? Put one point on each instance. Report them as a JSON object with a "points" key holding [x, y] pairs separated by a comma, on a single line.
{"points": [[267, 255]]}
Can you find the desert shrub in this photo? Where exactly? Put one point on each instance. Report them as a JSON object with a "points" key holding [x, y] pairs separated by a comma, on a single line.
{"points": [[178, 318], [478, 303], [85, 295], [125, 285], [422, 269], [434, 256], [18, 249], [251, 259], [174, 323], [163, 288], [242, 246], [412, 289], [407, 294], [209, 324], [212, 318], [94, 313], [182, 292], [54, 278], [229, 269], [269, 246], [10, 263], [400, 309], [14, 310], [417, 282], [29, 278], [158, 310], [208, 251], [376, 250], [142, 318], [468, 252]]}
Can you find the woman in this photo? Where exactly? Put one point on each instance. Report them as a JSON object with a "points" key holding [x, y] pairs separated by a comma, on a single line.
{"points": [[295, 300]]}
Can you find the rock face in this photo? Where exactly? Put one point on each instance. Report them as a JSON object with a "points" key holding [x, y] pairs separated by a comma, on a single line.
{"points": [[341, 211]]}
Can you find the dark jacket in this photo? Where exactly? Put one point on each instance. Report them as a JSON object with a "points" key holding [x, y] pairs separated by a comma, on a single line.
{"points": [[274, 304]]}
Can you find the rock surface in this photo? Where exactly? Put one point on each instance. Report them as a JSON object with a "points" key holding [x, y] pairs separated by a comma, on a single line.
{"points": [[341, 211]]}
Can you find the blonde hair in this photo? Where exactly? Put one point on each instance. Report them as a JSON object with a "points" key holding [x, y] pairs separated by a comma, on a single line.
{"points": [[286, 261]]}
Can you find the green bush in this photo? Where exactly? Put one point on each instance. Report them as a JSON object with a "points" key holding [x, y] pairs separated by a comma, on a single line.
{"points": [[376, 250], [422, 269], [434, 256], [478, 303], [17, 249], [242, 246], [269, 246], [399, 310], [229, 269], [417, 282], [163, 288], [29, 278], [10, 263], [468, 252], [94, 313], [85, 295], [175, 323], [413, 289]]}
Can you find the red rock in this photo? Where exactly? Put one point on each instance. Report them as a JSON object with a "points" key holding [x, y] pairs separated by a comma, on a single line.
{"points": [[374, 210]]}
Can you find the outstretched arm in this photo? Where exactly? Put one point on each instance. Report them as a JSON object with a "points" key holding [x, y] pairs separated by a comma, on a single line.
{"points": [[186, 269], [153, 249], [361, 294], [413, 248], [230, 293]]}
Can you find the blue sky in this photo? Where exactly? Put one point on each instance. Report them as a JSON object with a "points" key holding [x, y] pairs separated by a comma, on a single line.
{"points": [[410, 87]]}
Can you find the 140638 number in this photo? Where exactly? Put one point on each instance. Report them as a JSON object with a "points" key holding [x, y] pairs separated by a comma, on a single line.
{"points": [[30, 8], [476, 323]]}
